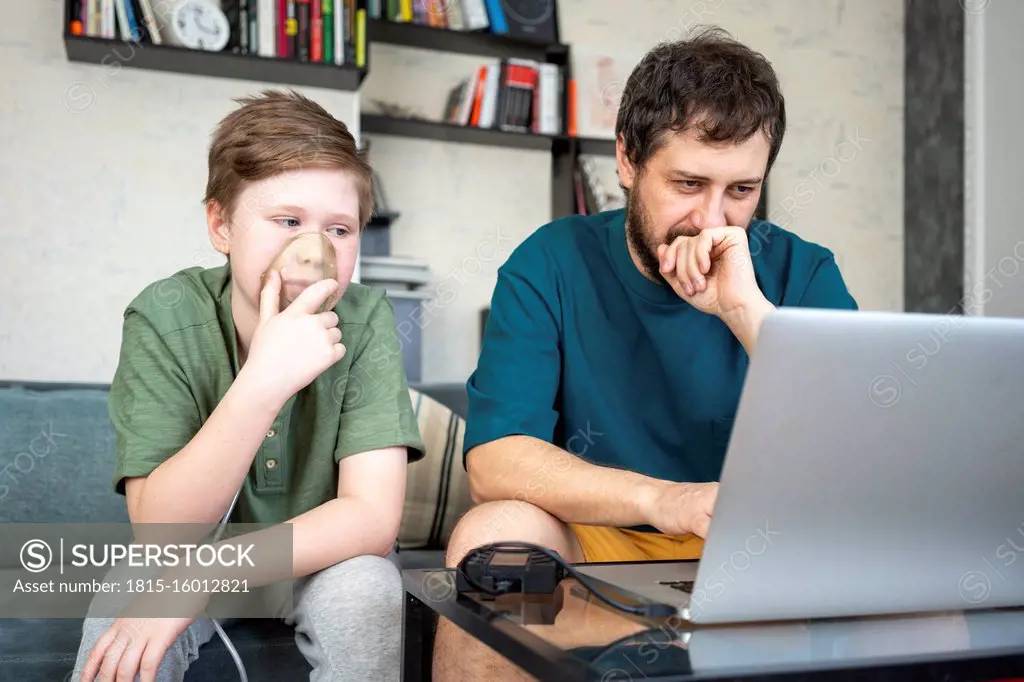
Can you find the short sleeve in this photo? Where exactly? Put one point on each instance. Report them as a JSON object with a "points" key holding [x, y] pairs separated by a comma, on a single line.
{"points": [[377, 410], [826, 288], [514, 388], [152, 410]]}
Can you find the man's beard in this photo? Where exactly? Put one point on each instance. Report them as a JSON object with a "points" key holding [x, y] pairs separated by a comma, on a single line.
{"points": [[640, 234]]}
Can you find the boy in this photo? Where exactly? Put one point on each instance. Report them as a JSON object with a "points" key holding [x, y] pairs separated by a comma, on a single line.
{"points": [[223, 385]]}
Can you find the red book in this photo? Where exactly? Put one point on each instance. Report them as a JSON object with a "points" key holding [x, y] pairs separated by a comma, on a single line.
{"points": [[316, 32], [282, 29]]}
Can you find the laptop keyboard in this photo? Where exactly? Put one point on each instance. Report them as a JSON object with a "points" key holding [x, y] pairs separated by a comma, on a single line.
{"points": [[681, 585]]}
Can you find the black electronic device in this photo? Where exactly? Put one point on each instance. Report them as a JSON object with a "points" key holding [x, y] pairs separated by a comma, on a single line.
{"points": [[503, 570], [531, 19], [525, 568]]}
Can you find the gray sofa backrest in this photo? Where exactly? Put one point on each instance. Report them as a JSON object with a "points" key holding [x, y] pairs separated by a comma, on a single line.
{"points": [[57, 451], [57, 455]]}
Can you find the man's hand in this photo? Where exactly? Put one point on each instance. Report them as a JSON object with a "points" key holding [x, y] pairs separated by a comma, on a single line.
{"points": [[681, 508], [290, 348], [713, 272], [132, 646]]}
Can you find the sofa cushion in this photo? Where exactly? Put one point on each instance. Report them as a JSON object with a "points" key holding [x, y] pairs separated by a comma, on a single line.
{"points": [[57, 457], [437, 491]]}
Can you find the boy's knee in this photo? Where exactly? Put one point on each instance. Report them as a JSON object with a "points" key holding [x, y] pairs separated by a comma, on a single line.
{"points": [[363, 583]]}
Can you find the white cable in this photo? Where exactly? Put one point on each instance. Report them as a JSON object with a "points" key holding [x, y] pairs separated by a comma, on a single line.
{"points": [[231, 649], [220, 631]]}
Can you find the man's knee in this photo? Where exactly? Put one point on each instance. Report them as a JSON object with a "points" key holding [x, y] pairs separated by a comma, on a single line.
{"points": [[510, 520]]}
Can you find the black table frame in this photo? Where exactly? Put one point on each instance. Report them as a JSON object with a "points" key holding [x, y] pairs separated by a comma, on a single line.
{"points": [[548, 662]]}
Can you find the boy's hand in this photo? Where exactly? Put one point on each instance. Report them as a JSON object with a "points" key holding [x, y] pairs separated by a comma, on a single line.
{"points": [[292, 347], [132, 646]]}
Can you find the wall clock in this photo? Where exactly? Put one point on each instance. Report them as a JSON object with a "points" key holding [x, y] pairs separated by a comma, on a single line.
{"points": [[200, 25]]}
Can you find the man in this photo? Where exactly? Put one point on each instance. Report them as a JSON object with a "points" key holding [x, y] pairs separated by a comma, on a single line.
{"points": [[617, 344]]}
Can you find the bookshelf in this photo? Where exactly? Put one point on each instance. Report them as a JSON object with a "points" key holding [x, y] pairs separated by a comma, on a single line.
{"points": [[114, 53], [463, 42], [450, 132], [563, 148]]}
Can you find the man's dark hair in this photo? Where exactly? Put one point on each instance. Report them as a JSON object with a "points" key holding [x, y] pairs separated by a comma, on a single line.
{"points": [[710, 78]]}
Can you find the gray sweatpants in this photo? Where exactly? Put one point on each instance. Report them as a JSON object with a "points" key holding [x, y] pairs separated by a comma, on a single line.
{"points": [[347, 620]]}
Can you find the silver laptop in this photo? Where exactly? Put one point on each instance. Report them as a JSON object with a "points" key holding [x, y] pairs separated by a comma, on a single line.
{"points": [[876, 466]]}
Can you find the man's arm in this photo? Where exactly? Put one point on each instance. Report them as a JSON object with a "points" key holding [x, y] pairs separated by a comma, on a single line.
{"points": [[513, 413], [576, 491], [572, 489]]}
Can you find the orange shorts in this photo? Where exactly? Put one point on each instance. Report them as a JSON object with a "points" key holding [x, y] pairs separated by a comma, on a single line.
{"points": [[606, 543]]}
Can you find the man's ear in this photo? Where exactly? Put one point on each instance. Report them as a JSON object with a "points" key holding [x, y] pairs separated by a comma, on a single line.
{"points": [[218, 226], [627, 174]]}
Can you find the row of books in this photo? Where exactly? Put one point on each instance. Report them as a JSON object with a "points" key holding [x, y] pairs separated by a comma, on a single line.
{"points": [[324, 31], [517, 95], [457, 15]]}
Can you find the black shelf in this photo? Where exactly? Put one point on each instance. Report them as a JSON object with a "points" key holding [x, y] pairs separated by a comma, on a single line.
{"points": [[384, 219], [595, 146], [377, 124], [176, 59], [463, 42]]}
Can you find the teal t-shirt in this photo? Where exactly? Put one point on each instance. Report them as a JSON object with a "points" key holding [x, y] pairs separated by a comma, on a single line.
{"points": [[583, 351]]}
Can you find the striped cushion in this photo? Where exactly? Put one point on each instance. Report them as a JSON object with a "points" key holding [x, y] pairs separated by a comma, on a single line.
{"points": [[437, 492]]}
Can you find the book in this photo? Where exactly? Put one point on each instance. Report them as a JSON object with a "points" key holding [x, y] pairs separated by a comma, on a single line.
{"points": [[515, 95]]}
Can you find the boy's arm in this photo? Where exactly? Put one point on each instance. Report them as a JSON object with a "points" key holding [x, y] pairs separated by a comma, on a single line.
{"points": [[172, 476], [378, 437], [197, 484], [363, 519]]}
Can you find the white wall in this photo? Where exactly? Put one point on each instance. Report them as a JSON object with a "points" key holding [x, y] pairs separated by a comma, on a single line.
{"points": [[98, 203], [994, 281], [841, 67], [102, 174]]}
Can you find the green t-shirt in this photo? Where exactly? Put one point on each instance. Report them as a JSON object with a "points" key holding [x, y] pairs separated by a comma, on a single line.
{"points": [[179, 356]]}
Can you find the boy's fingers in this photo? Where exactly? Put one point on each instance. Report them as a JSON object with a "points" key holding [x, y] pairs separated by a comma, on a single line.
{"points": [[270, 297], [96, 656], [150, 662], [310, 300], [129, 664], [330, 318]]}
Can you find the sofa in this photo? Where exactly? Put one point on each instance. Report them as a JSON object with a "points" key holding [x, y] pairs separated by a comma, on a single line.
{"points": [[56, 462]]}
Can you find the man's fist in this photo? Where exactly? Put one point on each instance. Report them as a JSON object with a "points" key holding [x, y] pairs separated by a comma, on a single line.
{"points": [[681, 508], [711, 271]]}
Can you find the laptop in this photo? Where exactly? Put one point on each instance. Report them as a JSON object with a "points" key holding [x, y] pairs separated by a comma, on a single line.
{"points": [[876, 466]]}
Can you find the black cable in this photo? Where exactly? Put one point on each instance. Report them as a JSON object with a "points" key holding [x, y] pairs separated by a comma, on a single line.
{"points": [[650, 610]]}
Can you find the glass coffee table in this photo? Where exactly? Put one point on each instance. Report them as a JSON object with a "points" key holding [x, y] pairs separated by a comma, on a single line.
{"points": [[571, 635]]}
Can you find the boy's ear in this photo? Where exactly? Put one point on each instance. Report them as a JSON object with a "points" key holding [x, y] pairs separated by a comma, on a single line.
{"points": [[219, 227]]}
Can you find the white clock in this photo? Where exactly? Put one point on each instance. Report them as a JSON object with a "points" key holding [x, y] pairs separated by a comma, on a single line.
{"points": [[200, 25]]}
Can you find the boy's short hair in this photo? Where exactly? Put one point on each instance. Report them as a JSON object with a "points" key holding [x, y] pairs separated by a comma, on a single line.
{"points": [[280, 132]]}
